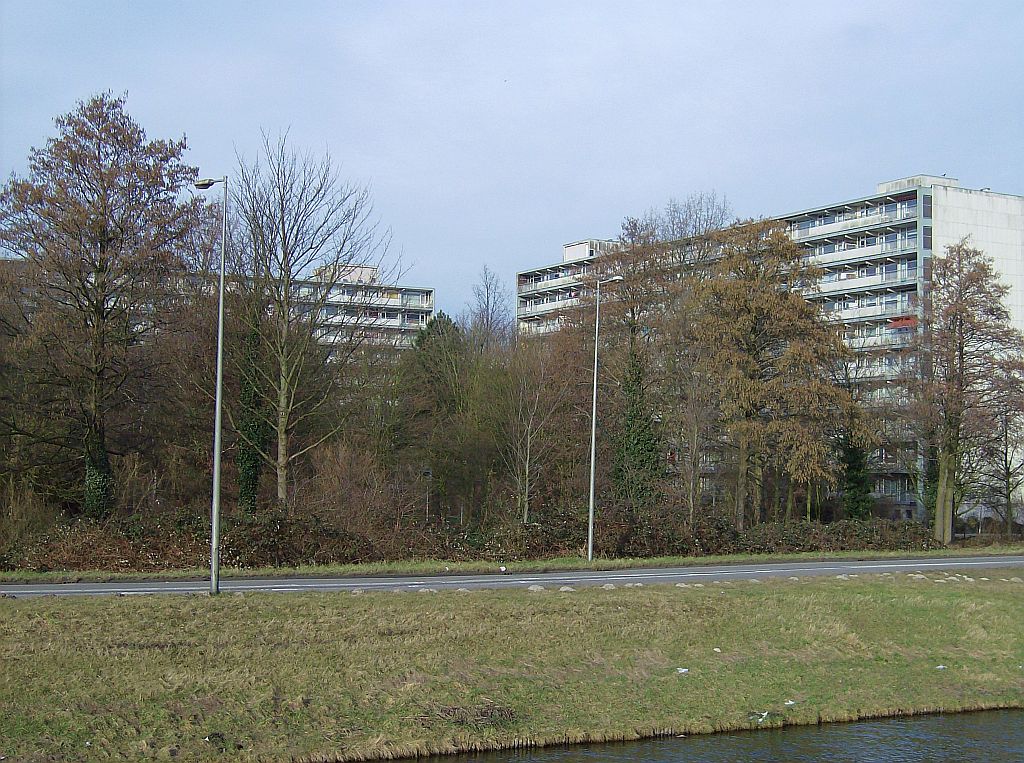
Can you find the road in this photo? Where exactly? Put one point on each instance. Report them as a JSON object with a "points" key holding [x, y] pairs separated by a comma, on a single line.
{"points": [[999, 566]]}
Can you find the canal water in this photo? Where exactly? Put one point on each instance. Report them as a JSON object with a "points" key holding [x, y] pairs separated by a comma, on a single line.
{"points": [[992, 736]]}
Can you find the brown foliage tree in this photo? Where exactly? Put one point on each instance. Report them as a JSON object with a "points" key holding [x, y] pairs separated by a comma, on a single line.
{"points": [[100, 228]]}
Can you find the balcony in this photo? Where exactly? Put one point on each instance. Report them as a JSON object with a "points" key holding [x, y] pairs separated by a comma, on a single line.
{"points": [[349, 322], [424, 301], [862, 313], [864, 282], [877, 373], [537, 328], [863, 221], [552, 283], [884, 341], [547, 307], [860, 253]]}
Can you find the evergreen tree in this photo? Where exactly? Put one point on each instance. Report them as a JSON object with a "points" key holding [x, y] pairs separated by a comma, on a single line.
{"points": [[636, 464], [856, 481]]}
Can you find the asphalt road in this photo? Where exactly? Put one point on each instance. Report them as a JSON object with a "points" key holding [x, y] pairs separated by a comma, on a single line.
{"points": [[998, 566]]}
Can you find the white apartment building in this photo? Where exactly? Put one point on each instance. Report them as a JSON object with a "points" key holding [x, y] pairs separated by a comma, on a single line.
{"points": [[379, 313], [875, 252], [543, 294]]}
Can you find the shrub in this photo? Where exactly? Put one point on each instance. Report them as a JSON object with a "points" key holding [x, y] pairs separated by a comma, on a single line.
{"points": [[24, 515], [277, 539]]}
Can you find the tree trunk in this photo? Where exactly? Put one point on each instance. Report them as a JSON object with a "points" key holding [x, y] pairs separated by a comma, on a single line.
{"points": [[777, 499], [282, 440], [1008, 511], [526, 482], [693, 477], [758, 497], [98, 498], [741, 483], [943, 530], [252, 430]]}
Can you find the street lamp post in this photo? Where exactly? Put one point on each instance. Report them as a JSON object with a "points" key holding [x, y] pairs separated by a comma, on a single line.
{"points": [[593, 419], [202, 185]]}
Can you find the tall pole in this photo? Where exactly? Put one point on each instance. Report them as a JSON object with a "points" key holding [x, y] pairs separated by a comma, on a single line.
{"points": [[215, 504], [593, 431]]}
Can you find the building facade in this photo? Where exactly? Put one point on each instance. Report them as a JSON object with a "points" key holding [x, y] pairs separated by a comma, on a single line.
{"points": [[359, 305], [544, 294], [875, 254]]}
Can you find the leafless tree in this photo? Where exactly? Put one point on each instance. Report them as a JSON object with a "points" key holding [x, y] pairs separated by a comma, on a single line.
{"points": [[305, 234], [967, 336]]}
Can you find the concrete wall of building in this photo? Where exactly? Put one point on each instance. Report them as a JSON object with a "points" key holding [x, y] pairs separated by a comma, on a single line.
{"points": [[915, 181], [995, 224]]}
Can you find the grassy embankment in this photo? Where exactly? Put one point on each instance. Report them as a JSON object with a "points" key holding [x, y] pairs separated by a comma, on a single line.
{"points": [[437, 566], [354, 677]]}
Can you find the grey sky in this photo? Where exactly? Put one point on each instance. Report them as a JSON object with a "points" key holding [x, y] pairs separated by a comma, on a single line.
{"points": [[492, 133]]}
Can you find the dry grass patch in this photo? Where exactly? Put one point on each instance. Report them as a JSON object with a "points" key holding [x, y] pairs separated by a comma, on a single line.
{"points": [[320, 676]]}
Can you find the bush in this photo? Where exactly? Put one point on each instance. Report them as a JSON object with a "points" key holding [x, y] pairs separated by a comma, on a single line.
{"points": [[90, 545], [24, 515], [621, 533], [277, 539]]}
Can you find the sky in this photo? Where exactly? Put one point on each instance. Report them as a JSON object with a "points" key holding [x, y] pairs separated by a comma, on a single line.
{"points": [[491, 133]]}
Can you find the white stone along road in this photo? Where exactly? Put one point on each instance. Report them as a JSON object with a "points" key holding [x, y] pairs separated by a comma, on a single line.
{"points": [[1008, 567]]}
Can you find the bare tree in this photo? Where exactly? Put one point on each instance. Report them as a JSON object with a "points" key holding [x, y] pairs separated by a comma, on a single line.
{"points": [[304, 232], [967, 335], [490, 321], [532, 397], [1001, 456]]}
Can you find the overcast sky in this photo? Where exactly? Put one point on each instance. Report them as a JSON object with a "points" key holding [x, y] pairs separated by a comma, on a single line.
{"points": [[494, 132]]}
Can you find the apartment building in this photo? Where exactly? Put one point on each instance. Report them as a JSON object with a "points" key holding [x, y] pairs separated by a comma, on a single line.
{"points": [[360, 304], [544, 294], [874, 252]]}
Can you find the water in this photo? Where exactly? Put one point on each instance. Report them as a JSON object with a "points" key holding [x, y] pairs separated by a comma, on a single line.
{"points": [[990, 737]]}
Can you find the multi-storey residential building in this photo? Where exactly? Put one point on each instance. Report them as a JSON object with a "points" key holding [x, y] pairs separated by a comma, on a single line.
{"points": [[542, 294], [377, 312], [875, 253]]}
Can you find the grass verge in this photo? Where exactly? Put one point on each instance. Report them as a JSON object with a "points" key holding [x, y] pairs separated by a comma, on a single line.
{"points": [[440, 566], [357, 677]]}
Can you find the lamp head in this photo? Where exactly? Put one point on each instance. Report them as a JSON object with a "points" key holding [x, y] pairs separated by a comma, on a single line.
{"points": [[205, 183], [614, 279]]}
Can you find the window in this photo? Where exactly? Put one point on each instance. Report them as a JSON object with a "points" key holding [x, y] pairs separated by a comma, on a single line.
{"points": [[926, 202], [927, 236]]}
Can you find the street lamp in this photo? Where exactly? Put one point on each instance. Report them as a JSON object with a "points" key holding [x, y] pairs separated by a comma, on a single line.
{"points": [[593, 419], [203, 185]]}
